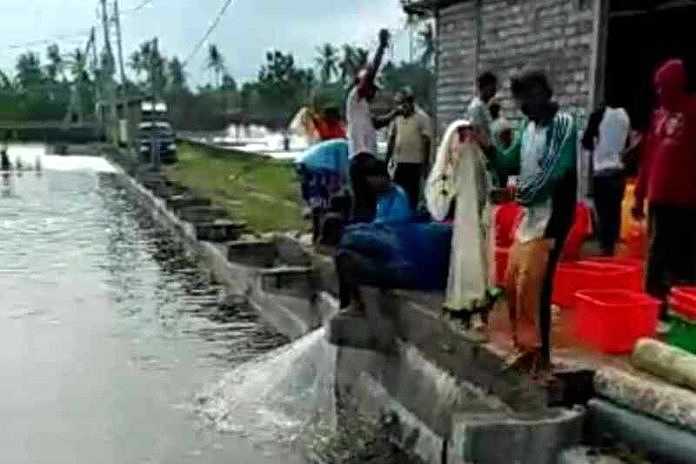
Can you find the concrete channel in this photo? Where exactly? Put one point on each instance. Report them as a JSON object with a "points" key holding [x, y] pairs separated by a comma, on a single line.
{"points": [[445, 398]]}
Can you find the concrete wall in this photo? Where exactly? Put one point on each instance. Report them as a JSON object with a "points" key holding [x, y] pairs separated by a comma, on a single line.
{"points": [[504, 36]]}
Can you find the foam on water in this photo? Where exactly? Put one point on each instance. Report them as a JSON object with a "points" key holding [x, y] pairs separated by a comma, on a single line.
{"points": [[277, 397], [29, 154]]}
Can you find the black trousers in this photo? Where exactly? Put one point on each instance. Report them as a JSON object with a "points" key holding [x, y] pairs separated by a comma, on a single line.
{"points": [[364, 201], [608, 196], [409, 176], [545, 302], [672, 249]]}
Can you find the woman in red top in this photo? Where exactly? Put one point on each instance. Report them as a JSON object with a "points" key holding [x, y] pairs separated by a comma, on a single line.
{"points": [[330, 126]]}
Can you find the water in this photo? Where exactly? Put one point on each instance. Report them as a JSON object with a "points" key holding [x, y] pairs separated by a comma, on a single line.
{"points": [[108, 336]]}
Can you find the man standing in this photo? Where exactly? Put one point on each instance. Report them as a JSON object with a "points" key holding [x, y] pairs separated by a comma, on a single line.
{"points": [[544, 157], [605, 138], [362, 133], [667, 179], [409, 145], [479, 112]]}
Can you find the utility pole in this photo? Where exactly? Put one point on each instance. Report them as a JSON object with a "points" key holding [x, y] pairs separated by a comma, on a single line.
{"points": [[97, 75], [124, 91], [108, 78], [154, 149]]}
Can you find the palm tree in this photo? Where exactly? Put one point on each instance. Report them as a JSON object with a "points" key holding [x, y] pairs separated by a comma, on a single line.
{"points": [[216, 63], [176, 74], [55, 66], [327, 61], [137, 63], [426, 40]]}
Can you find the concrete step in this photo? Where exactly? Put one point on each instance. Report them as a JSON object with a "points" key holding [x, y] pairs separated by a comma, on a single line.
{"points": [[291, 252], [220, 230], [253, 253], [178, 202], [502, 438], [289, 280], [202, 214]]}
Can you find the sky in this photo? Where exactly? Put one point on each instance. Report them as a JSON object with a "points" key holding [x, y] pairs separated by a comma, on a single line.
{"points": [[246, 32]]}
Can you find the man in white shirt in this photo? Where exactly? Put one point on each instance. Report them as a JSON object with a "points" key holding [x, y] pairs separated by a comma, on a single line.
{"points": [[605, 138], [409, 145], [362, 133]]}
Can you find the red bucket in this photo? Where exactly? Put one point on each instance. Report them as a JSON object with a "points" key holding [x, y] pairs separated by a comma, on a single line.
{"points": [[612, 321]]}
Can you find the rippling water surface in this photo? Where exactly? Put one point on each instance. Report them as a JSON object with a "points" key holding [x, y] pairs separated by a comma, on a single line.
{"points": [[106, 333]]}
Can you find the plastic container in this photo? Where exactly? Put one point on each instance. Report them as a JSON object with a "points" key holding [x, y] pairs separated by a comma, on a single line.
{"points": [[581, 229], [686, 299], [586, 275], [682, 332], [634, 263], [612, 321], [502, 256]]}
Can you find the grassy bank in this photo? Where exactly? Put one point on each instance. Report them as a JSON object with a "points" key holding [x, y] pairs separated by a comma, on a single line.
{"points": [[261, 191]]}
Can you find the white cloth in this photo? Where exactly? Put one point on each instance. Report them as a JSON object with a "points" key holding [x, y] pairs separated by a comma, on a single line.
{"points": [[362, 135], [408, 142], [479, 114], [460, 173], [613, 133], [303, 125]]}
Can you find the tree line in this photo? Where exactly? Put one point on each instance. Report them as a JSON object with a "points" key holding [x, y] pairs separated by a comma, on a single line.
{"points": [[46, 88]]}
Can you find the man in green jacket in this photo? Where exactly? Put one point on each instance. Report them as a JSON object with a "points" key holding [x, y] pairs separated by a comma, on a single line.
{"points": [[544, 157]]}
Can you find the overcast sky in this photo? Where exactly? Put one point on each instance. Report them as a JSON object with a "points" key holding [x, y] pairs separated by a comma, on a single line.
{"points": [[249, 28]]}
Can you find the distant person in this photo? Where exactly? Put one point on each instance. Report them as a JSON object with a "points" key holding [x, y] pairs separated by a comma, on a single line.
{"points": [[544, 156], [501, 128], [478, 112], [5, 164], [667, 179], [410, 140], [605, 139], [362, 132], [329, 125]]}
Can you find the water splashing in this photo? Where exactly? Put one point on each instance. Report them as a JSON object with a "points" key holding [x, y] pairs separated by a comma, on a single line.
{"points": [[278, 397]]}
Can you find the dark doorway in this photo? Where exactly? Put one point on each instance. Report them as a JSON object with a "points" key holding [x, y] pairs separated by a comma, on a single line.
{"points": [[642, 34]]}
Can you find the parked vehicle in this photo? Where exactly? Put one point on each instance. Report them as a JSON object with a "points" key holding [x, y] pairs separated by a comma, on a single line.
{"points": [[162, 135]]}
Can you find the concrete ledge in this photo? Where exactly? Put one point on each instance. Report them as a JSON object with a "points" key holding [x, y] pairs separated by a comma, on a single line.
{"points": [[254, 253], [291, 252], [219, 230], [183, 201], [198, 214], [504, 439], [295, 281]]}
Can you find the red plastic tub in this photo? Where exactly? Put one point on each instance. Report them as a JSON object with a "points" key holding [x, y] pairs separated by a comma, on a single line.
{"points": [[585, 275], [612, 321], [685, 297], [635, 263]]}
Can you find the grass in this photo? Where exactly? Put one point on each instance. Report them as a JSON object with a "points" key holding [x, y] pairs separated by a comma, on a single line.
{"points": [[262, 191]]}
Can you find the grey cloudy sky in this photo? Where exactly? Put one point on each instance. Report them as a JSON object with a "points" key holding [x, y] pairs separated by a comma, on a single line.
{"points": [[249, 28]]}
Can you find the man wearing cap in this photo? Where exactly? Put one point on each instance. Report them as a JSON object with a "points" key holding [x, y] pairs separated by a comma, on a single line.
{"points": [[362, 133]]}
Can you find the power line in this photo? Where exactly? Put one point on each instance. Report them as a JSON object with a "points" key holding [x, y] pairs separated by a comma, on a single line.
{"points": [[210, 30], [60, 37], [140, 6]]}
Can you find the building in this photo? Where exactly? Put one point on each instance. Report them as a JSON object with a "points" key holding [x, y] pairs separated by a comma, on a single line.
{"points": [[593, 50]]}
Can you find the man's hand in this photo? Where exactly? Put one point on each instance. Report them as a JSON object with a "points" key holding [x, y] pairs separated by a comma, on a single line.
{"points": [[384, 37], [638, 211]]}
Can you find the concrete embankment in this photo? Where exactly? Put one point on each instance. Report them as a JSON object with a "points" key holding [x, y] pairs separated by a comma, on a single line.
{"points": [[442, 397]]}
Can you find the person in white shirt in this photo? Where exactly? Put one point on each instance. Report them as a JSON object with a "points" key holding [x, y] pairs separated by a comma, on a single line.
{"points": [[410, 138], [362, 133], [605, 139]]}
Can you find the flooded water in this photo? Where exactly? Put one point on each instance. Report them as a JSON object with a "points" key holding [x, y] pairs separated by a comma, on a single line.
{"points": [[107, 335]]}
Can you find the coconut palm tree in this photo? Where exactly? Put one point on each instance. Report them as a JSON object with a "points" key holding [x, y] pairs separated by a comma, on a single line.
{"points": [[327, 61], [137, 63], [216, 64], [426, 40], [354, 59], [55, 66]]}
